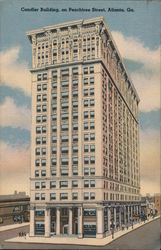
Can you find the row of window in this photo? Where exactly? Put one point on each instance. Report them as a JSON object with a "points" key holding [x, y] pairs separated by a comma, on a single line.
{"points": [[64, 196], [64, 184], [65, 161], [87, 171]]}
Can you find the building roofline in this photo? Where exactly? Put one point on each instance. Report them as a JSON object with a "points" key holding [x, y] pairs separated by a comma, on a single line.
{"points": [[80, 22]]}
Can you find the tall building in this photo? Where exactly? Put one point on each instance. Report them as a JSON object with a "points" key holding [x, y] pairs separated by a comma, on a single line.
{"points": [[85, 133]]}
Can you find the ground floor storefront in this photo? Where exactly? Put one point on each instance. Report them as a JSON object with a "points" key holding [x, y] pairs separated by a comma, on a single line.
{"points": [[82, 221]]}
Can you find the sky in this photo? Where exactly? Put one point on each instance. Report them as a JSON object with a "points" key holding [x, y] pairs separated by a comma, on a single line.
{"points": [[137, 36]]}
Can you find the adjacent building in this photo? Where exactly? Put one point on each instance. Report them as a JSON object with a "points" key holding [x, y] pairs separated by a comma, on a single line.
{"points": [[85, 169], [14, 208]]}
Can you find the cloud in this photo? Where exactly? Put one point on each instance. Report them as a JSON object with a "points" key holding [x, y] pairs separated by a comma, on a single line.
{"points": [[15, 168], [14, 116], [13, 73], [147, 78], [150, 161]]}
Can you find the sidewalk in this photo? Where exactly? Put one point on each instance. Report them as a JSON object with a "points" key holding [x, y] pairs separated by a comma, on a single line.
{"points": [[75, 240], [13, 226]]}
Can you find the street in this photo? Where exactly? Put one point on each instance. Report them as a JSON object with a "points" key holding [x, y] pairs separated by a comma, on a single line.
{"points": [[146, 237]]}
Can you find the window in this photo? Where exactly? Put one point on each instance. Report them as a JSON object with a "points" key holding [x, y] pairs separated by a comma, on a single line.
{"points": [[75, 126], [85, 81], [92, 148], [75, 93], [91, 69], [54, 96], [38, 108], [64, 105], [92, 126], [75, 138], [91, 114], [37, 162], [37, 151], [54, 52], [44, 97], [43, 140], [85, 114], [64, 116], [75, 160], [43, 184], [52, 184], [85, 125], [53, 117], [75, 82], [53, 172], [92, 171], [92, 91], [85, 92], [64, 83], [64, 196], [86, 183], [75, 104], [43, 162], [39, 87], [75, 115], [86, 70], [44, 118], [64, 161], [64, 172], [38, 140], [54, 106], [53, 161], [74, 183], [92, 136], [39, 77], [43, 196], [43, 129], [74, 196], [54, 139], [92, 102], [44, 76], [65, 72], [92, 160], [85, 103], [37, 173], [64, 127], [38, 118], [86, 171], [75, 71], [37, 185], [64, 138], [86, 160], [64, 94], [37, 196], [38, 98], [44, 86], [86, 148], [86, 196], [53, 196], [44, 108], [43, 173], [38, 130], [54, 128], [54, 42], [54, 150], [92, 183], [43, 150], [85, 137], [75, 171], [64, 149], [92, 196], [54, 85], [63, 184], [75, 149], [91, 80]]}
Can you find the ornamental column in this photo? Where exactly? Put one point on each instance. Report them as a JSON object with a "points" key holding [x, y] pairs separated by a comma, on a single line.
{"points": [[80, 222], [47, 222], [100, 222], [115, 217], [32, 221], [57, 220], [70, 221], [109, 218]]}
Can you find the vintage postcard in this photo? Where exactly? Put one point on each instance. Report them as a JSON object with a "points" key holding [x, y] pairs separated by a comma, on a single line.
{"points": [[79, 121]]}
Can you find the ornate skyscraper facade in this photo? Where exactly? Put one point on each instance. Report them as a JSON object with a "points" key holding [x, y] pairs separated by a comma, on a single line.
{"points": [[85, 171]]}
